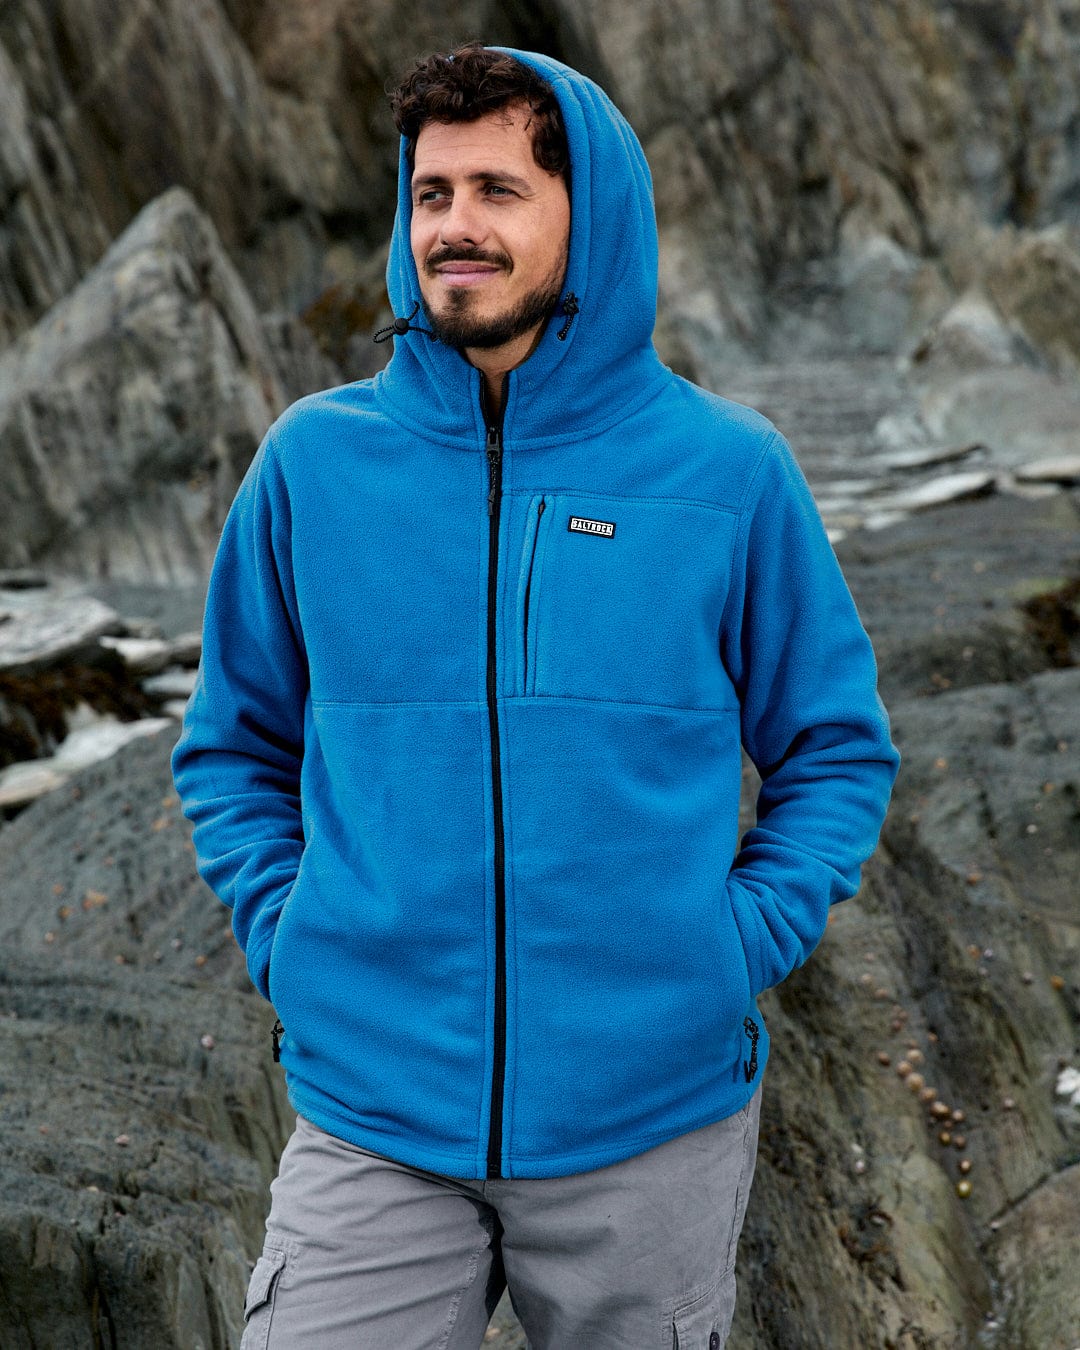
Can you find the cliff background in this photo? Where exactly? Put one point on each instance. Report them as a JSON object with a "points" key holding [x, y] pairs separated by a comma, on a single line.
{"points": [[870, 229]]}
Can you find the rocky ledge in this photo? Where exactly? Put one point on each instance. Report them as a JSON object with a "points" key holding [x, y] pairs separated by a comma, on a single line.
{"points": [[78, 682]]}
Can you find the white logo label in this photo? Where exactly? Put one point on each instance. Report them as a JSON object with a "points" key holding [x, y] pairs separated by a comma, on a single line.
{"points": [[580, 525]]}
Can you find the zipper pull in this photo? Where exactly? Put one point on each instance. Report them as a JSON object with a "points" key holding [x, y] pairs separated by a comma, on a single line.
{"points": [[276, 1034]]}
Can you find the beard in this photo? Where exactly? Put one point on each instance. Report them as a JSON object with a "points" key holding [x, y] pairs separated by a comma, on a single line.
{"points": [[457, 325]]}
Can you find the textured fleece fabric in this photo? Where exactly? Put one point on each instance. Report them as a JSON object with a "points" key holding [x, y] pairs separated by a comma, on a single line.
{"points": [[336, 757]]}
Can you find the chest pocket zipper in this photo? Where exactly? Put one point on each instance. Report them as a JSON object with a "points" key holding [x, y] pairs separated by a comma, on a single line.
{"points": [[528, 593]]}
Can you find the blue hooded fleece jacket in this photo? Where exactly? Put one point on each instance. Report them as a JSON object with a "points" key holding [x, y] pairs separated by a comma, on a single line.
{"points": [[464, 755]]}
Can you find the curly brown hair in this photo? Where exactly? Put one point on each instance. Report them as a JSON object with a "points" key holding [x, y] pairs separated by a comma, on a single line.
{"points": [[472, 81]]}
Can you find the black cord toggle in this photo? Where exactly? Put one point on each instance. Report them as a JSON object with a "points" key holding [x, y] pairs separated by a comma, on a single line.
{"points": [[401, 326], [569, 308]]}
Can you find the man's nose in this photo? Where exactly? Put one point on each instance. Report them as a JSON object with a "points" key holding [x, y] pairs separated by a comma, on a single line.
{"points": [[462, 223]]}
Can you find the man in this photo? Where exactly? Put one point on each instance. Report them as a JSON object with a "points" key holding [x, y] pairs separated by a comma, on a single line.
{"points": [[483, 638]]}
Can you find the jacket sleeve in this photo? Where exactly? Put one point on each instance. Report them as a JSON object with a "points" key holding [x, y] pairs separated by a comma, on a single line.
{"points": [[237, 763], [812, 723]]}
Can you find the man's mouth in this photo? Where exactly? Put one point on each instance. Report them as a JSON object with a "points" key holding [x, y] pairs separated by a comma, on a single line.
{"points": [[465, 271], [466, 274]]}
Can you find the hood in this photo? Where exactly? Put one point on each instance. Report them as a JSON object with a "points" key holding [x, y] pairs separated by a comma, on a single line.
{"points": [[606, 365]]}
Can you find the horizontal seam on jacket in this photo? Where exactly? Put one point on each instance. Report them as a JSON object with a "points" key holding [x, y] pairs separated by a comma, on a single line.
{"points": [[511, 698], [622, 497], [397, 703], [611, 702]]}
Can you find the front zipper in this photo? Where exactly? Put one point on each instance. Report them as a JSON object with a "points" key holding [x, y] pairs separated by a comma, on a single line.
{"points": [[498, 1066], [528, 587]]}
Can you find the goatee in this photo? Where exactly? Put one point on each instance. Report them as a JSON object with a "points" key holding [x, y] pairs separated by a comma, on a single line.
{"points": [[457, 326]]}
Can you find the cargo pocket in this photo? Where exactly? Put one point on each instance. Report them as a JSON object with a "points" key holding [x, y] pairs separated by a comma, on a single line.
{"points": [[259, 1304], [704, 1320]]}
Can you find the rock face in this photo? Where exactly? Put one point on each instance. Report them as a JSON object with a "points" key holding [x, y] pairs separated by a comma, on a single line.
{"points": [[140, 1131], [870, 231], [777, 131], [154, 370], [830, 178]]}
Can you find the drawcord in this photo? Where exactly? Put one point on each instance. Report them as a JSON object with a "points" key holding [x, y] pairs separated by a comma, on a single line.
{"points": [[569, 308], [401, 325]]}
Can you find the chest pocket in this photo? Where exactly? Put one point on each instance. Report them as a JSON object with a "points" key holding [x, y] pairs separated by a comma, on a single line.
{"points": [[621, 598]]}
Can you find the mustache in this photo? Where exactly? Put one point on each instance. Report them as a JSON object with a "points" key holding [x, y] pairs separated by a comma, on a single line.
{"points": [[448, 253]]}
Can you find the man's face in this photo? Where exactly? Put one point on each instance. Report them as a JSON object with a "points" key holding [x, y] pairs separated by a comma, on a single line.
{"points": [[490, 231]]}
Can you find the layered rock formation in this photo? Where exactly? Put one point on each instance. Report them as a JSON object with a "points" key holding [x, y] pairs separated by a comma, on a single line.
{"points": [[140, 1131], [870, 229], [830, 178]]}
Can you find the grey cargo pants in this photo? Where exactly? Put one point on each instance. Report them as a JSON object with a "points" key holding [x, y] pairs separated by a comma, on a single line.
{"points": [[367, 1254]]}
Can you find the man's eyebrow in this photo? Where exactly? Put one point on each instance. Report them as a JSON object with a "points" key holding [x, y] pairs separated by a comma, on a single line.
{"points": [[423, 180]]}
